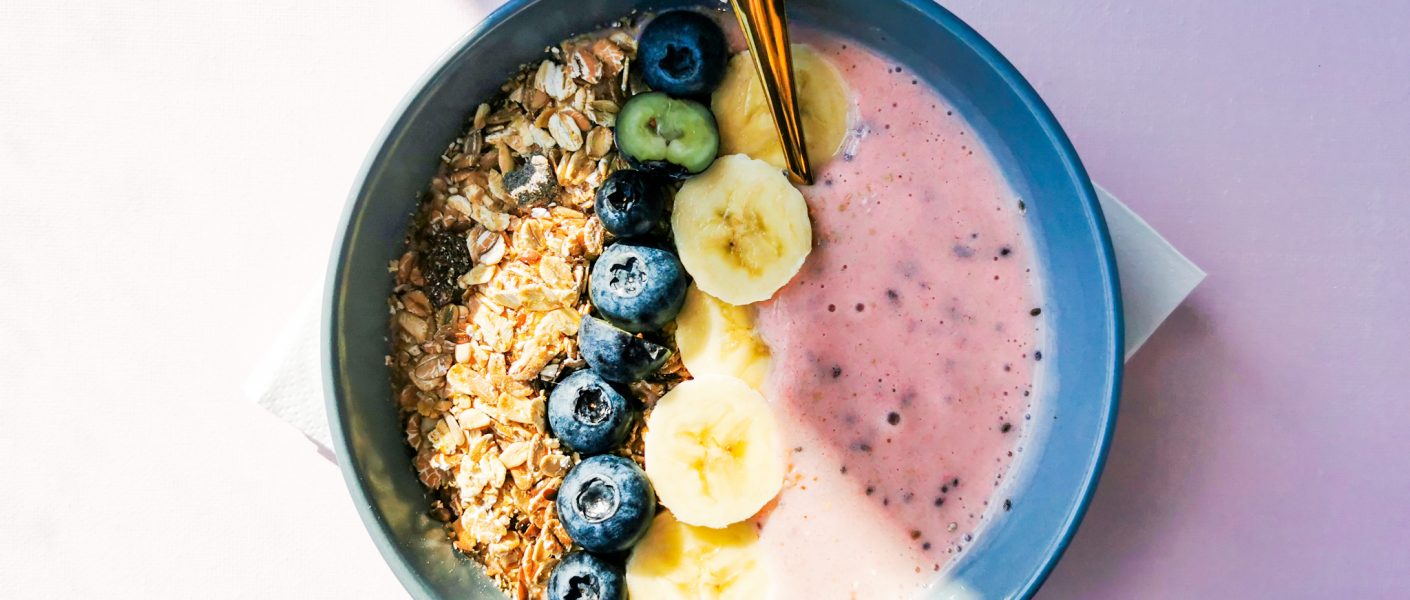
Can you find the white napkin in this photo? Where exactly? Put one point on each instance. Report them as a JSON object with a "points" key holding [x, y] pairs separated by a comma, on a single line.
{"points": [[1155, 278]]}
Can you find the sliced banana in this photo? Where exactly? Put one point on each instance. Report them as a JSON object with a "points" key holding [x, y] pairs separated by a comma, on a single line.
{"points": [[747, 127], [678, 561], [742, 230], [719, 338], [713, 451]]}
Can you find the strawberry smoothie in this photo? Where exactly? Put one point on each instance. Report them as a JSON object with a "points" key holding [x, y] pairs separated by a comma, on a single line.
{"points": [[904, 352]]}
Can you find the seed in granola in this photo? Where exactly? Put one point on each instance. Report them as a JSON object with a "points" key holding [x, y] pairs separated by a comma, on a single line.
{"points": [[533, 182], [611, 55], [550, 372], [459, 203], [482, 114], [599, 142], [489, 248], [447, 258], [565, 132], [415, 326], [585, 66]]}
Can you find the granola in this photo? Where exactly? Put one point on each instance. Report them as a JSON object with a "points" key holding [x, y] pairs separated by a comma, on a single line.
{"points": [[488, 298]]}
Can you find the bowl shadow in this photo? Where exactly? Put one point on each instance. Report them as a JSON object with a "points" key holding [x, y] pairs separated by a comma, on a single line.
{"points": [[1157, 452]]}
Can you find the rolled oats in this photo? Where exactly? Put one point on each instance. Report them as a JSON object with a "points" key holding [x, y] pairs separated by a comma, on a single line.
{"points": [[565, 131], [599, 142], [472, 375]]}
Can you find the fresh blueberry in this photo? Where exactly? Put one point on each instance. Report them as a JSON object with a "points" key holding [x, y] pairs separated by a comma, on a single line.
{"points": [[588, 414], [586, 576], [682, 53], [667, 137], [605, 503], [617, 355], [631, 203], [638, 288]]}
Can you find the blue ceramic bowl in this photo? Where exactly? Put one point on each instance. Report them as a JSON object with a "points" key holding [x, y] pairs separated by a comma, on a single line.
{"points": [[1058, 473]]}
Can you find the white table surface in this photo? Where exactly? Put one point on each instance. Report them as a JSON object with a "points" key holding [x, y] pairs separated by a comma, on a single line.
{"points": [[170, 177]]}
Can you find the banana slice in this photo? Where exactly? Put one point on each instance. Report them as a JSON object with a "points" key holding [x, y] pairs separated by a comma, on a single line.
{"points": [[747, 127], [742, 230], [713, 451], [678, 561], [719, 338]]}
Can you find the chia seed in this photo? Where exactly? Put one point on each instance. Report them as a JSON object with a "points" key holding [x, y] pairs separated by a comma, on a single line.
{"points": [[443, 263]]}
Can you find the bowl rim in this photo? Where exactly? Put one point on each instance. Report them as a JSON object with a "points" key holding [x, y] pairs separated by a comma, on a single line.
{"points": [[1092, 212]]}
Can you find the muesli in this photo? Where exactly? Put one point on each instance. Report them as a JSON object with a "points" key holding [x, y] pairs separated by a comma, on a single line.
{"points": [[634, 358]]}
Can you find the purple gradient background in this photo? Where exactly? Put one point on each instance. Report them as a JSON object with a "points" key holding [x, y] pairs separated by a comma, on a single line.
{"points": [[1262, 445]]}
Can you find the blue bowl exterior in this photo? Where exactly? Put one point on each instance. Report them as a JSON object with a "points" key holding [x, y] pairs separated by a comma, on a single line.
{"points": [[1081, 374]]}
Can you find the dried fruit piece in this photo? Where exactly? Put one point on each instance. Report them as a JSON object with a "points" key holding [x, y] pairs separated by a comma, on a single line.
{"points": [[533, 182]]}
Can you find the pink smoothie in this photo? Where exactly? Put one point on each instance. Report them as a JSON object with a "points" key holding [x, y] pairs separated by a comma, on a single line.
{"points": [[903, 352]]}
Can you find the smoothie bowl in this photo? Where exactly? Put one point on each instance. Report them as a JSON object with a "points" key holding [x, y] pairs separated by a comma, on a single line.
{"points": [[584, 338]]}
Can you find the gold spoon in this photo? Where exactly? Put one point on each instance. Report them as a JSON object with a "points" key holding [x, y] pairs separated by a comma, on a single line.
{"points": [[765, 24]]}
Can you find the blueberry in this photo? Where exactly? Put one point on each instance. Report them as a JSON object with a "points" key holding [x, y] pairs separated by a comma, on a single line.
{"points": [[665, 136], [638, 288], [682, 53], [617, 355], [605, 503], [587, 414], [631, 203], [586, 576]]}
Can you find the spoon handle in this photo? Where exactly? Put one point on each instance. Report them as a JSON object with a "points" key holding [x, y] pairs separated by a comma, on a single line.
{"points": [[765, 25]]}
